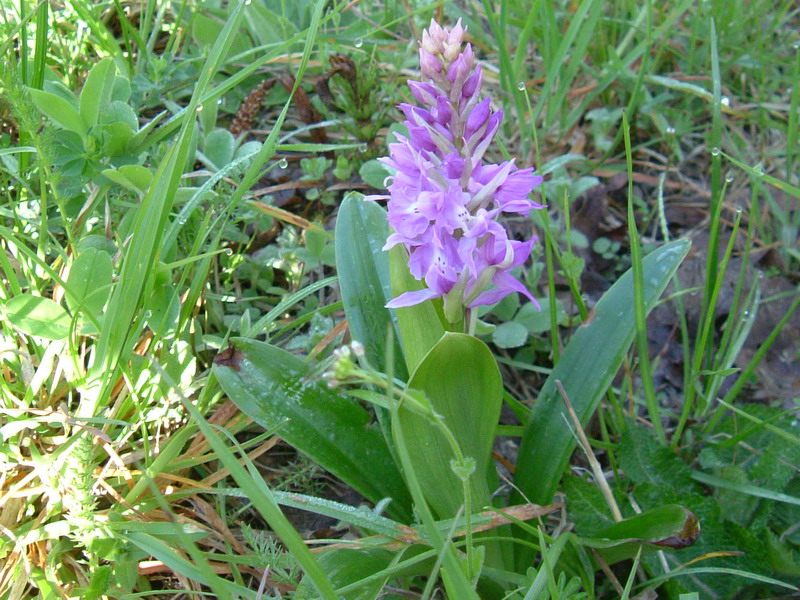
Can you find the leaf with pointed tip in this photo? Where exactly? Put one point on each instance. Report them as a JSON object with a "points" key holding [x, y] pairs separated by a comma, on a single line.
{"points": [[60, 111], [668, 527], [96, 94], [460, 379], [420, 325], [587, 367], [273, 388], [363, 267], [38, 316]]}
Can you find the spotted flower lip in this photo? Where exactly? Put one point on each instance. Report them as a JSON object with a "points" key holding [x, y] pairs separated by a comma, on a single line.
{"points": [[444, 201]]}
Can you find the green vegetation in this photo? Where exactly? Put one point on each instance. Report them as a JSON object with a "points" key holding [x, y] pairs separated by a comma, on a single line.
{"points": [[183, 246]]}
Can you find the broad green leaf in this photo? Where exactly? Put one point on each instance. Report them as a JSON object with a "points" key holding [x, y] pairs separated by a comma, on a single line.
{"points": [[38, 316], [249, 480], [163, 307], [99, 583], [587, 367], [782, 558], [374, 173], [346, 566], [538, 321], [60, 111], [588, 509], [115, 138], [119, 112], [205, 30], [363, 267], [420, 326], [510, 335], [273, 388], [645, 460], [97, 91], [218, 147], [267, 26], [121, 90], [669, 527], [89, 282], [140, 177], [460, 379]]}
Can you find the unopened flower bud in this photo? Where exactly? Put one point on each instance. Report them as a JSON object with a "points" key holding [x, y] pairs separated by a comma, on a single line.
{"points": [[429, 64], [357, 348], [456, 35], [343, 364], [423, 92], [477, 117], [472, 84], [428, 43], [443, 111], [451, 52]]}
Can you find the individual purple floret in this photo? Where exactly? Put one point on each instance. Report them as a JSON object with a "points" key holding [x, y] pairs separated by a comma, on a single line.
{"points": [[443, 199]]}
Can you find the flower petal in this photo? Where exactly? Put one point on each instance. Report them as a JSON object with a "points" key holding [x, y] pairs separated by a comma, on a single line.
{"points": [[411, 298]]}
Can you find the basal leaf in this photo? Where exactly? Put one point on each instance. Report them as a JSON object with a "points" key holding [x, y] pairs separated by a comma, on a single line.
{"points": [[272, 387], [460, 379], [363, 267], [669, 527], [587, 367], [421, 326]]}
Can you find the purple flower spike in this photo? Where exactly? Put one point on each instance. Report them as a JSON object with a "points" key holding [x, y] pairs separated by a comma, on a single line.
{"points": [[444, 201]]}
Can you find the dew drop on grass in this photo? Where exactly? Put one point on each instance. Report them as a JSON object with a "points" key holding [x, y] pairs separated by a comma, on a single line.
{"points": [[729, 176], [739, 209], [725, 101], [362, 147], [759, 169], [670, 130], [715, 151], [219, 101], [283, 163], [796, 44], [521, 86], [199, 108], [358, 43], [228, 251]]}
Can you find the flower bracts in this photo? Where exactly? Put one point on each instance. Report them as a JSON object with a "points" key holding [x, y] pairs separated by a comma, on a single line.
{"points": [[443, 199]]}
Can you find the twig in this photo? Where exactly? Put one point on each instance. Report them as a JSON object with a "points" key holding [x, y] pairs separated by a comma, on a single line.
{"points": [[596, 469]]}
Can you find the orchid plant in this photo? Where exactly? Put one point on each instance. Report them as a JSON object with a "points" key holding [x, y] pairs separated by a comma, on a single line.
{"points": [[420, 450], [444, 200]]}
